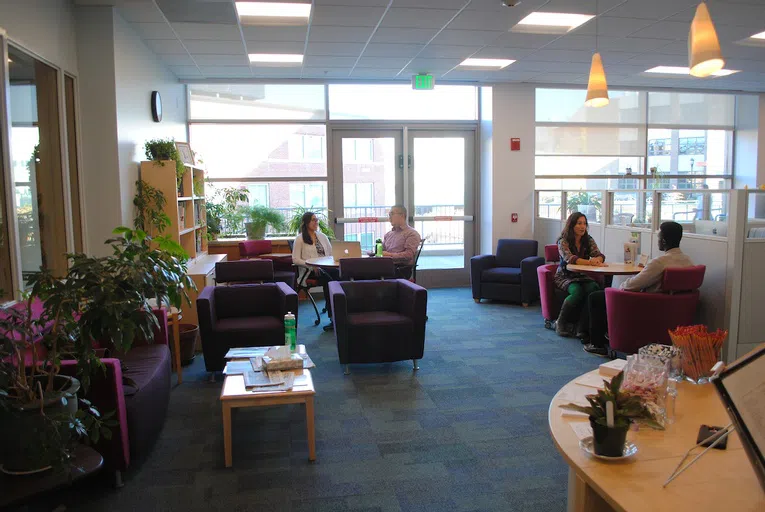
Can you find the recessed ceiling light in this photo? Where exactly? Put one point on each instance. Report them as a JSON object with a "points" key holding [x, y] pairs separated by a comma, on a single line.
{"points": [[551, 22], [273, 13], [276, 58], [486, 63], [679, 70], [761, 35]]}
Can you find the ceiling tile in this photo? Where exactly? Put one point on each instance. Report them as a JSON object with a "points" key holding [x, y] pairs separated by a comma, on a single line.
{"points": [[226, 71], [664, 30], [274, 47], [483, 20], [325, 72], [319, 61], [652, 9], [403, 35], [441, 51], [144, 12], [287, 34], [211, 31], [185, 71], [417, 18], [276, 72], [498, 52], [382, 62], [650, 60], [335, 49], [165, 46], [214, 47], [613, 27], [441, 4], [513, 40], [562, 55], [560, 78], [335, 34], [467, 37], [221, 60], [153, 30], [177, 59], [375, 73], [348, 16], [392, 50], [191, 11], [549, 67], [432, 65], [359, 3]]}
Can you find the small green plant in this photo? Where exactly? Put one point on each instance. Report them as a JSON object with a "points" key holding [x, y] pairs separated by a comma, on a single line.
{"points": [[199, 187], [213, 214], [293, 223], [628, 407], [232, 214], [164, 149], [575, 200], [150, 213]]}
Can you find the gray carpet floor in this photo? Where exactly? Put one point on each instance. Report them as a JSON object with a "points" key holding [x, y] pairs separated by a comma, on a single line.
{"points": [[468, 432]]}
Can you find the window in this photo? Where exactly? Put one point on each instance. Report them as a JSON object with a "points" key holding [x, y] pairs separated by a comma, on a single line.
{"points": [[258, 193], [304, 148], [358, 151], [358, 194], [309, 195], [392, 102], [257, 150], [256, 101], [37, 167]]}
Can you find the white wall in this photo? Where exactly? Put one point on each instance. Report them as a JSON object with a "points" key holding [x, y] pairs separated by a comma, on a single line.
{"points": [[513, 171], [138, 72], [43, 27], [486, 184], [98, 125], [746, 141]]}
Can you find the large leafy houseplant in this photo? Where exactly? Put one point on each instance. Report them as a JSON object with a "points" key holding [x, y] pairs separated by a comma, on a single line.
{"points": [[150, 213], [100, 301], [293, 223], [259, 217]]}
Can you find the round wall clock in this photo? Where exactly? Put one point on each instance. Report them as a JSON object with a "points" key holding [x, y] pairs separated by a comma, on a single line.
{"points": [[156, 106]]}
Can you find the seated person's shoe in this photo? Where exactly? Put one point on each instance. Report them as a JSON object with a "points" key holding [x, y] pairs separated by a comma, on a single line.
{"points": [[584, 337], [564, 329], [594, 349]]}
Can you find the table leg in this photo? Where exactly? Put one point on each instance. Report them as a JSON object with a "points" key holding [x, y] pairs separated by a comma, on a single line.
{"points": [[582, 497], [177, 346], [310, 427], [227, 434]]}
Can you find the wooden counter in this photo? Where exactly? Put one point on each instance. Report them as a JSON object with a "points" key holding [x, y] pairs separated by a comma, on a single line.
{"points": [[230, 246]]}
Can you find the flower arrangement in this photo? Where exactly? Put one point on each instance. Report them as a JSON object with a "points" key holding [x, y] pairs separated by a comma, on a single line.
{"points": [[700, 349]]}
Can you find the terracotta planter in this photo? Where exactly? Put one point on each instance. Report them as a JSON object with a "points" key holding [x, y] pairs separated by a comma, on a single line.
{"points": [[608, 442], [189, 334]]}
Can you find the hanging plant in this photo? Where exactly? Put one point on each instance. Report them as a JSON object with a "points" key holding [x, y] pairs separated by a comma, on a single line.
{"points": [[164, 149]]}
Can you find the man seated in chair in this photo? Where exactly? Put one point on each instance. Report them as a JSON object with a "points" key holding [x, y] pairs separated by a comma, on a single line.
{"points": [[401, 242], [648, 280]]}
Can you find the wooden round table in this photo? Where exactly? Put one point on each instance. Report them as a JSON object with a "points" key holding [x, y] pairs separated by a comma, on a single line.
{"points": [[722, 480], [326, 262], [611, 269]]}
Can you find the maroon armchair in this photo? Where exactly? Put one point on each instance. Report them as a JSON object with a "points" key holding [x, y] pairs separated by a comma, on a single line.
{"points": [[636, 319], [378, 321], [283, 268], [242, 316], [550, 297], [136, 388]]}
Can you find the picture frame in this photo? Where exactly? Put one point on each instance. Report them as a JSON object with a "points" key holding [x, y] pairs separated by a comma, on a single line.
{"points": [[184, 151]]}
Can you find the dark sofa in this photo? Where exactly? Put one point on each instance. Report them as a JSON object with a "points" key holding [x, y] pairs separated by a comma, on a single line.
{"points": [[509, 275]]}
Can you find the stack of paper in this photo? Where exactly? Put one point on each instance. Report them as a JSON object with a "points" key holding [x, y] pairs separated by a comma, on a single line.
{"points": [[271, 381], [612, 368]]}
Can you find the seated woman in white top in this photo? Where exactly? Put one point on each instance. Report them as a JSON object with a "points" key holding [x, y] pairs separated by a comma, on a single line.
{"points": [[312, 243]]}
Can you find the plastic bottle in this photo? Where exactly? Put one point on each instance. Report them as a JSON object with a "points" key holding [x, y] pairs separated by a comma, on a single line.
{"points": [[378, 247], [669, 408], [290, 331]]}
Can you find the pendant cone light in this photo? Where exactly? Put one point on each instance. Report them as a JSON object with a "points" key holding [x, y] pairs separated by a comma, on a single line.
{"points": [[597, 87], [704, 55]]}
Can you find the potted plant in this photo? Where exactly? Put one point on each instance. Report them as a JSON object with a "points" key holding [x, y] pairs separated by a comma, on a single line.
{"points": [[293, 224], [149, 205], [160, 150], [100, 301], [580, 201], [213, 215], [610, 434], [260, 217]]}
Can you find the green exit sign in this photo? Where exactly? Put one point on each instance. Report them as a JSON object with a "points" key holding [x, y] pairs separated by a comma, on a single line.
{"points": [[423, 82]]}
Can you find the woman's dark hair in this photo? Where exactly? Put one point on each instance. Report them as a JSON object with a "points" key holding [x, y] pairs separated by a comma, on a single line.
{"points": [[307, 216], [568, 230]]}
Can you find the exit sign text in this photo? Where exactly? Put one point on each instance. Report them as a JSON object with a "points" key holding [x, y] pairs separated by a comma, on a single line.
{"points": [[423, 82]]}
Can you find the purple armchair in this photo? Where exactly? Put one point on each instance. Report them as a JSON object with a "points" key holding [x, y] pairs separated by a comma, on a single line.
{"points": [[550, 297], [242, 316], [244, 272], [256, 249], [637, 319], [378, 321], [510, 275], [367, 269]]}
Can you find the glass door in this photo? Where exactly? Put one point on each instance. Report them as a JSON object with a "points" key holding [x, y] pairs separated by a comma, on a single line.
{"points": [[369, 184], [432, 175], [440, 198]]}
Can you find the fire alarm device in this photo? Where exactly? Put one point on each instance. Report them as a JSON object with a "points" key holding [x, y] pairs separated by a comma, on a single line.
{"points": [[514, 217], [515, 144]]}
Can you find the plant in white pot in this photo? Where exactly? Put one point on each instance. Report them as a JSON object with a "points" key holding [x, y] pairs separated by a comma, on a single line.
{"points": [[259, 217], [610, 433]]}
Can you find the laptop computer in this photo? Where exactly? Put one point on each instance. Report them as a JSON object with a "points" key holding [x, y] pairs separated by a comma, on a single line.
{"points": [[342, 250]]}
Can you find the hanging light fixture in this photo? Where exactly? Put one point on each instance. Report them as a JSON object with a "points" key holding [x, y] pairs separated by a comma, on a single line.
{"points": [[597, 87], [704, 55]]}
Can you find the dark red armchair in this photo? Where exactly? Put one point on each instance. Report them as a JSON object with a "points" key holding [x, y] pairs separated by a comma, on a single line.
{"points": [[550, 297], [636, 319], [283, 268]]}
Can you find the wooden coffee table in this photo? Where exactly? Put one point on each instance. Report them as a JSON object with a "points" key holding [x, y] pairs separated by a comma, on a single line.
{"points": [[235, 395]]}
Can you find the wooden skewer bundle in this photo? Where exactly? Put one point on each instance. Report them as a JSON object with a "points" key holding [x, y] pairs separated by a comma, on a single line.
{"points": [[700, 348]]}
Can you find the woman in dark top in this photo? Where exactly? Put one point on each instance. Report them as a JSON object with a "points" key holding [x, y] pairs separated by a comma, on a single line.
{"points": [[576, 247]]}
